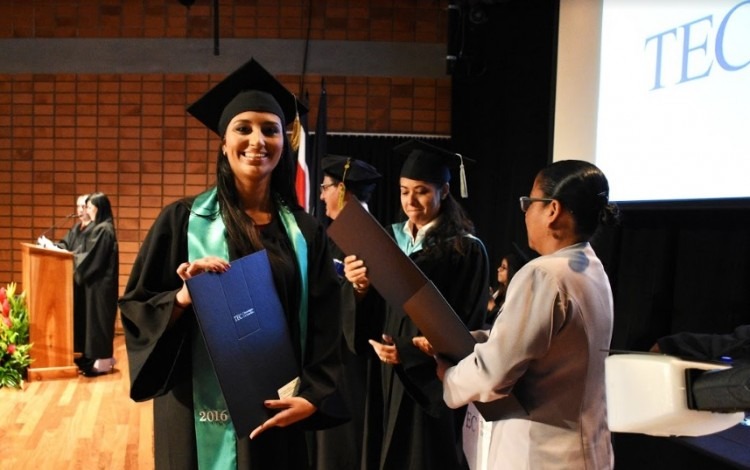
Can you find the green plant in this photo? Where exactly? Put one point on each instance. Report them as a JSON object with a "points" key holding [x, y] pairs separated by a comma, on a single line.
{"points": [[14, 337]]}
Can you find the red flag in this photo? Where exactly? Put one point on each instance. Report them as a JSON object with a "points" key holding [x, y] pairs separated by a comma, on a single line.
{"points": [[302, 179]]}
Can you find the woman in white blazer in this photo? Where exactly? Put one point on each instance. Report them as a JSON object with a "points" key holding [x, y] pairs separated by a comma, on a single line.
{"points": [[549, 345]]}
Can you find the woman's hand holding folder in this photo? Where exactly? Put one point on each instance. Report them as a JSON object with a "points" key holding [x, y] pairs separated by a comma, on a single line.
{"points": [[293, 409]]}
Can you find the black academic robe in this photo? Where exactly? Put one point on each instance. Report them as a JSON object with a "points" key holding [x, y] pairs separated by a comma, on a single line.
{"points": [[96, 262], [340, 448], [72, 241], [160, 357], [417, 430]]}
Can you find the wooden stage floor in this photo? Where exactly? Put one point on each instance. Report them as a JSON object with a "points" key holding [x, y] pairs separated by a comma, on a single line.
{"points": [[78, 423]]}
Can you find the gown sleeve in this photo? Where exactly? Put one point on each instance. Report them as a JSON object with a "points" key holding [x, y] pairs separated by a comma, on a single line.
{"points": [[68, 241], [96, 253], [159, 356], [709, 347], [321, 371], [463, 280]]}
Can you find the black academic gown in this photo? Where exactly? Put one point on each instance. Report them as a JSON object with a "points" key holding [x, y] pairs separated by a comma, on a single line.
{"points": [[340, 448], [96, 261], [418, 431], [72, 241], [160, 357]]}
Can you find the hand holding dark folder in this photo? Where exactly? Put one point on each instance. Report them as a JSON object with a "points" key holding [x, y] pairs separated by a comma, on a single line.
{"points": [[245, 331], [402, 283]]}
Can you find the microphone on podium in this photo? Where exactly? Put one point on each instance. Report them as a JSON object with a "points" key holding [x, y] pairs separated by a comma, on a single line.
{"points": [[56, 224]]}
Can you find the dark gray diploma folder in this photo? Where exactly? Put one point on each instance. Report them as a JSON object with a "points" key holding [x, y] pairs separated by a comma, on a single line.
{"points": [[403, 284], [247, 337]]}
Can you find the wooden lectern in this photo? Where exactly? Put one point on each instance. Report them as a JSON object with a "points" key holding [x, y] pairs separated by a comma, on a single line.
{"points": [[48, 283]]}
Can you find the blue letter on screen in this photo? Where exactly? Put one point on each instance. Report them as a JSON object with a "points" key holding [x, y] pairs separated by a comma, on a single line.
{"points": [[720, 58], [687, 49], [659, 49]]}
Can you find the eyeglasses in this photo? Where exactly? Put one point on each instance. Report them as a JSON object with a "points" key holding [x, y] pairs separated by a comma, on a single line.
{"points": [[526, 201], [325, 186]]}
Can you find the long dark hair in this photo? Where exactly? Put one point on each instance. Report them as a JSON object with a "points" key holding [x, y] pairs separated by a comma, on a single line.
{"points": [[103, 208], [241, 233], [583, 190], [453, 226]]}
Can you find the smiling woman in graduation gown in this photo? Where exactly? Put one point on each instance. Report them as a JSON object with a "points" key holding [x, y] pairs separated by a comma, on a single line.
{"points": [[165, 357], [417, 430], [160, 357]]}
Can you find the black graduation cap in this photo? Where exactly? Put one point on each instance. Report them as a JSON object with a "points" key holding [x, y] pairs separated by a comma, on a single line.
{"points": [[426, 162], [356, 175], [249, 88], [349, 170]]}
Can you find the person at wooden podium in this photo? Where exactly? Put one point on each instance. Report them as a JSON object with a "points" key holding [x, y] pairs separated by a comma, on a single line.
{"points": [[73, 239], [96, 270], [72, 242]]}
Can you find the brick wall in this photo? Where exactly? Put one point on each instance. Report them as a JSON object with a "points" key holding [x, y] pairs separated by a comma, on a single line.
{"points": [[353, 20], [129, 136]]}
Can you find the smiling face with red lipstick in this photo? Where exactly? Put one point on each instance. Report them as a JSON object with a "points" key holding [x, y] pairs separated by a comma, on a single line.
{"points": [[253, 144]]}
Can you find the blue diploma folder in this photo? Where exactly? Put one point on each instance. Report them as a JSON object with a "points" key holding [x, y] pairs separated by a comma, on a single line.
{"points": [[247, 337]]}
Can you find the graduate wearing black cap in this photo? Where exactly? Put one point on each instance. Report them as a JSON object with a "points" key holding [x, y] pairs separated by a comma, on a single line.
{"points": [[418, 431], [348, 180], [251, 208], [344, 178]]}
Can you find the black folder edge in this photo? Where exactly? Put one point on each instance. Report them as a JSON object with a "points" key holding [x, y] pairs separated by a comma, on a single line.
{"points": [[238, 384], [401, 282]]}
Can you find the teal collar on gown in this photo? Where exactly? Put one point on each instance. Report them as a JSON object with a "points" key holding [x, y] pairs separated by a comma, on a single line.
{"points": [[216, 440]]}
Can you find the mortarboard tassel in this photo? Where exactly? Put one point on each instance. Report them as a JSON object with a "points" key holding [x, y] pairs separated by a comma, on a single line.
{"points": [[296, 137], [343, 183], [462, 176]]}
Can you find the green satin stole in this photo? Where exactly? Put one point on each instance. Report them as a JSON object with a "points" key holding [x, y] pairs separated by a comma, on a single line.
{"points": [[215, 438]]}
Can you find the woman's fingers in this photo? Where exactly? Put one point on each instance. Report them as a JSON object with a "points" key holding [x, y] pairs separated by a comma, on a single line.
{"points": [[199, 266], [355, 271], [386, 352], [423, 345], [182, 271], [293, 409], [209, 263]]}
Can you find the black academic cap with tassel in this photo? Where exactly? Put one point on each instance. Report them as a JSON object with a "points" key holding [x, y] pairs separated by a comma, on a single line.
{"points": [[249, 88], [426, 162]]}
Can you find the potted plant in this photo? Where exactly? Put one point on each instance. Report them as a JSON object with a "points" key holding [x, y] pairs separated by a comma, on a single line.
{"points": [[14, 337]]}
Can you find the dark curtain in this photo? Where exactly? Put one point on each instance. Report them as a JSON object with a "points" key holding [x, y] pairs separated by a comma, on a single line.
{"points": [[502, 110], [677, 270]]}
